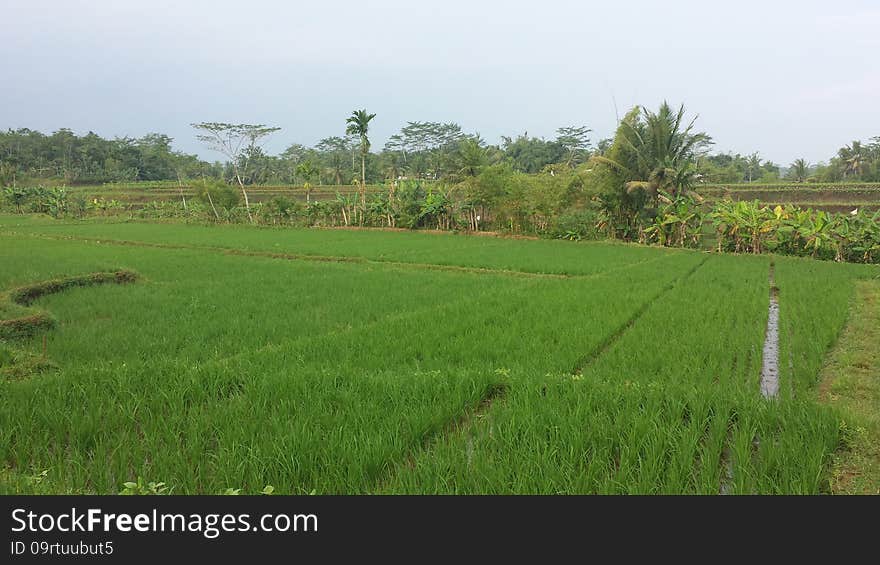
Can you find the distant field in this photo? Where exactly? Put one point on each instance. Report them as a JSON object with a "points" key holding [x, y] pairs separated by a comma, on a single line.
{"points": [[138, 194], [333, 361], [836, 197], [830, 197]]}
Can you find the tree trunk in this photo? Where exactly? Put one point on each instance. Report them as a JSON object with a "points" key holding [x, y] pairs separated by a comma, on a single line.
{"points": [[211, 200], [180, 185], [390, 204], [247, 203], [363, 187]]}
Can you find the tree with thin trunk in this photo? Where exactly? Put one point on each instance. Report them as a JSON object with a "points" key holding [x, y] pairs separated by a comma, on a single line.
{"points": [[753, 165], [307, 171], [236, 142], [576, 142], [359, 125]]}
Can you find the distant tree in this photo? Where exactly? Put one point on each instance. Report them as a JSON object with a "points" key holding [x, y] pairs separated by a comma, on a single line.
{"points": [[604, 145], [531, 154], [307, 171], [799, 170], [753, 166], [359, 125], [294, 154], [426, 148], [236, 142], [335, 152], [576, 142], [854, 159], [472, 156]]}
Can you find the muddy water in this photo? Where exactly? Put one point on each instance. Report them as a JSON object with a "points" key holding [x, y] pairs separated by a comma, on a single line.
{"points": [[770, 365]]}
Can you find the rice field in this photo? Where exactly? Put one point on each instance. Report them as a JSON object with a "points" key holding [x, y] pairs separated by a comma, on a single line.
{"points": [[334, 361]]}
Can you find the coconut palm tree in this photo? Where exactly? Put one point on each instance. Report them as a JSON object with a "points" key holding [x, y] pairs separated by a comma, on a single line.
{"points": [[359, 125], [853, 157], [658, 151], [799, 170]]}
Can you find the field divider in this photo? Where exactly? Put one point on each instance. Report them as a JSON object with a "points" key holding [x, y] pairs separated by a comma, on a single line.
{"points": [[339, 258], [26, 364], [27, 326], [612, 338], [493, 393]]}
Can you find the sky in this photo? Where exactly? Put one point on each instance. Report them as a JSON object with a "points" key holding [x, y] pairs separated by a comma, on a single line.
{"points": [[788, 79]]}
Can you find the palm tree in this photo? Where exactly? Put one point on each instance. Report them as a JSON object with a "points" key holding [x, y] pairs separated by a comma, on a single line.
{"points": [[657, 151], [753, 165], [359, 125], [799, 170], [307, 170], [472, 156], [853, 159]]}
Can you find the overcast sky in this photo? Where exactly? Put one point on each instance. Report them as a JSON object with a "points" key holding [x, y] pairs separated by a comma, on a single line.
{"points": [[786, 78]]}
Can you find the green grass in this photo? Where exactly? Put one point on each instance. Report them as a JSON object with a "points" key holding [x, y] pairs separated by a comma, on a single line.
{"points": [[530, 256], [652, 414], [359, 362], [851, 383]]}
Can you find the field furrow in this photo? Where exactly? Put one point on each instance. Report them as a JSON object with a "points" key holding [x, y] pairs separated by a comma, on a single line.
{"points": [[359, 362]]}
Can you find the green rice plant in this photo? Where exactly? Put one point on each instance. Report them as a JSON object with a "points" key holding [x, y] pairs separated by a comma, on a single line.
{"points": [[815, 298], [358, 362]]}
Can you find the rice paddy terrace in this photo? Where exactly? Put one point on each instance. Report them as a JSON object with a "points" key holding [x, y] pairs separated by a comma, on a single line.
{"points": [[840, 197], [332, 361]]}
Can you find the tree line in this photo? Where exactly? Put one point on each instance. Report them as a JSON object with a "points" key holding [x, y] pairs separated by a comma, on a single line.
{"points": [[640, 185], [420, 150]]}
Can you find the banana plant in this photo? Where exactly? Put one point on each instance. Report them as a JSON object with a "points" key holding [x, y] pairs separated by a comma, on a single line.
{"points": [[678, 222], [749, 227]]}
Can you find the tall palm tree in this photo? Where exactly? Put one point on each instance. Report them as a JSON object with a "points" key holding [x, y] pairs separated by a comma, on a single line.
{"points": [[853, 159], [799, 170], [359, 125], [658, 151]]}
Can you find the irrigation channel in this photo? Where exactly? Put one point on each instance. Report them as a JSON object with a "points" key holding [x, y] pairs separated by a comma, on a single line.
{"points": [[769, 378], [770, 363]]}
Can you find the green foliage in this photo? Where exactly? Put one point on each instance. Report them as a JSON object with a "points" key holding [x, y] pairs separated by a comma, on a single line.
{"points": [[651, 153], [530, 154], [728, 168], [752, 227], [16, 197], [55, 201], [33, 157], [281, 210], [140, 487], [301, 383], [217, 194], [799, 171], [678, 223], [575, 226]]}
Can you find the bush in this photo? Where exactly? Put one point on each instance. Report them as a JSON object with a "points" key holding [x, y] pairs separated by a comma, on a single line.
{"points": [[575, 225], [280, 210], [217, 195]]}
